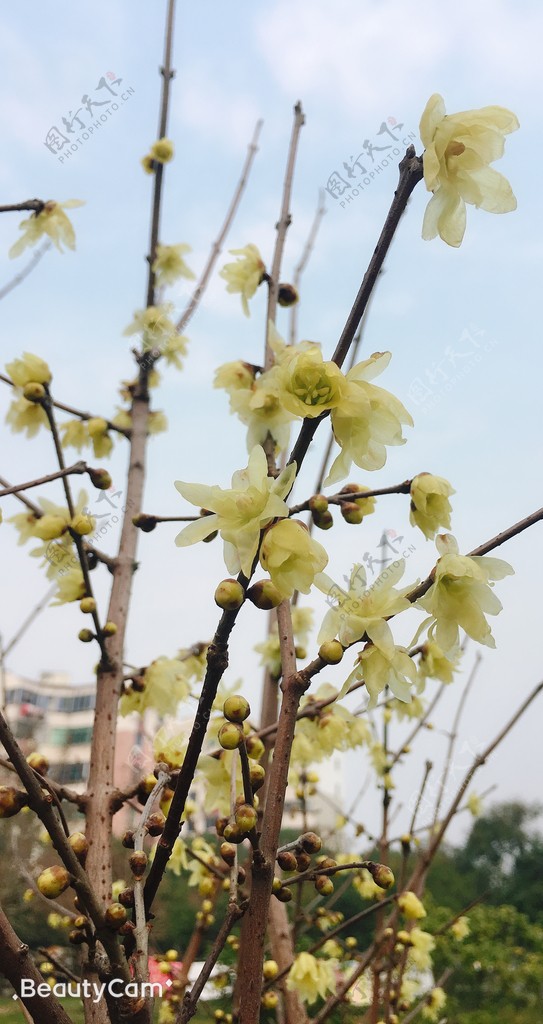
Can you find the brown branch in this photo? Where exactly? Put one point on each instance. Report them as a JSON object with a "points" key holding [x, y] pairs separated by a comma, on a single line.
{"points": [[424, 1001], [282, 228], [74, 412], [454, 735], [216, 248], [342, 496], [26, 271], [78, 467], [58, 964], [62, 792], [141, 934], [190, 1001], [18, 965], [34, 205], [344, 987]]}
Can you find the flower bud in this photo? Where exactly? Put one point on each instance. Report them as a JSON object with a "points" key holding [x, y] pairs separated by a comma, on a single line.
{"points": [[324, 885], [269, 1000], [109, 629], [156, 823], [326, 862], [255, 748], [303, 861], [351, 512], [257, 776], [144, 522], [228, 853], [318, 504], [86, 635], [264, 594], [81, 922], [34, 392], [100, 479], [76, 937], [233, 834], [236, 709], [283, 894], [351, 942], [79, 844], [138, 864], [382, 875], [287, 861], [126, 898], [82, 525], [270, 969], [87, 605], [38, 762], [323, 520], [230, 736], [287, 295], [229, 595], [246, 818], [128, 838], [11, 801], [331, 652], [311, 842], [53, 881], [115, 915]]}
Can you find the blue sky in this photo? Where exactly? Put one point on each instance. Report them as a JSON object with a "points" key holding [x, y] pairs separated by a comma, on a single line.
{"points": [[353, 65]]}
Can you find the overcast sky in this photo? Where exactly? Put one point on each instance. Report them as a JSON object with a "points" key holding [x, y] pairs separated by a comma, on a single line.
{"points": [[465, 323]]}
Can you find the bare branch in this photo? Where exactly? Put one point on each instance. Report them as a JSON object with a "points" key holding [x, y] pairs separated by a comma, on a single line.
{"points": [[304, 260], [26, 271], [78, 467]]}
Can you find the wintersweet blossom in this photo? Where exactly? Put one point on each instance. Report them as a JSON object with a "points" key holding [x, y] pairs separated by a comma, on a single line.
{"points": [[461, 595], [311, 977], [239, 513], [28, 369], [458, 151], [308, 384], [259, 406], [154, 324], [169, 265], [74, 434], [474, 804], [56, 519], [430, 505], [51, 221], [166, 686], [434, 1005], [379, 669], [422, 945], [366, 887], [435, 664], [335, 729], [245, 274], [102, 444], [359, 611], [460, 928], [291, 557], [410, 906], [26, 416], [162, 151], [366, 420], [170, 747], [71, 587]]}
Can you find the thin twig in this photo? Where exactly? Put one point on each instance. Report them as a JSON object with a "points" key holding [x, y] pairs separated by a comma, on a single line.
{"points": [[454, 735], [216, 248], [141, 934], [78, 467], [343, 496], [190, 1001], [34, 205], [304, 259], [24, 273]]}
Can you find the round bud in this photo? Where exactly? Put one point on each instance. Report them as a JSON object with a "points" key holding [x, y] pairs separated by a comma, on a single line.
{"points": [[138, 863], [303, 861], [331, 652], [76, 937], [287, 295], [382, 875], [326, 862], [246, 818], [86, 635], [220, 826], [255, 748], [171, 955], [233, 834], [207, 906], [82, 525], [324, 885], [81, 921], [300, 652], [230, 736], [79, 844], [144, 522], [87, 605], [156, 823], [34, 392], [229, 595], [311, 842], [404, 937], [145, 787], [318, 503], [236, 709], [283, 894], [126, 898], [323, 520], [100, 479], [351, 512], [53, 881], [128, 839], [265, 595], [38, 762], [270, 969], [11, 801], [228, 853], [287, 861], [351, 942], [206, 886], [269, 1000], [115, 915], [109, 629], [257, 776]]}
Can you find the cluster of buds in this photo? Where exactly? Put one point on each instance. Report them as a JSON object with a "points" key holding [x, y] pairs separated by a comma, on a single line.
{"points": [[354, 510], [307, 784], [236, 828], [295, 856], [11, 801], [221, 1015], [320, 512], [81, 931]]}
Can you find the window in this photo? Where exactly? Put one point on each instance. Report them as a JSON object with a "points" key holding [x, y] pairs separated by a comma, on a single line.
{"points": [[74, 772]]}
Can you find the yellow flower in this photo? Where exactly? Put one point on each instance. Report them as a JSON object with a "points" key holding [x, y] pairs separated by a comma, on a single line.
{"points": [[157, 422], [169, 264], [422, 945], [240, 513], [74, 434], [71, 587], [367, 419], [29, 369], [459, 149], [291, 557], [410, 906], [56, 519], [393, 668], [308, 385], [461, 595], [460, 929], [162, 151], [148, 164], [232, 376], [260, 407], [166, 685], [245, 274], [26, 416], [54, 920], [217, 774], [358, 611], [173, 349], [432, 1009], [366, 887], [430, 505], [311, 978], [474, 804], [155, 326], [169, 748], [302, 621], [434, 664], [101, 441], [116, 888], [52, 221]]}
